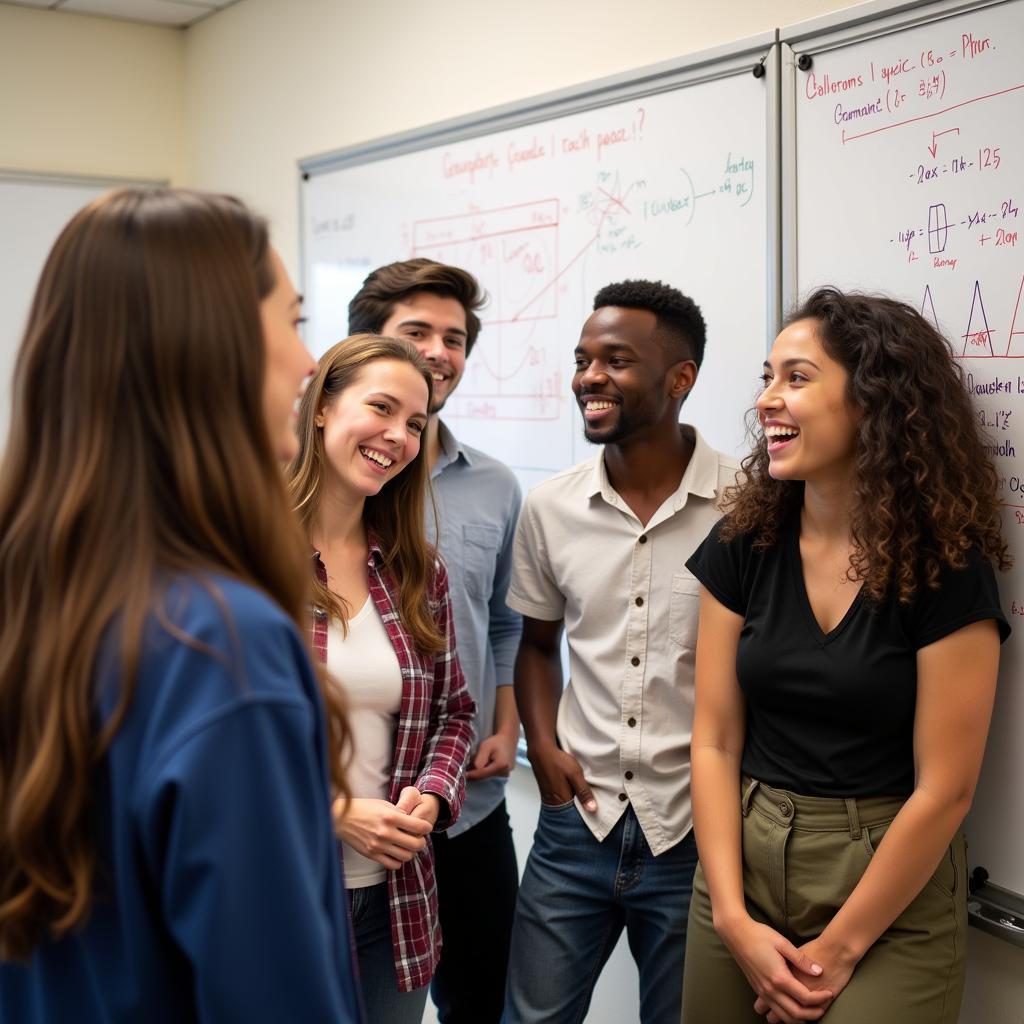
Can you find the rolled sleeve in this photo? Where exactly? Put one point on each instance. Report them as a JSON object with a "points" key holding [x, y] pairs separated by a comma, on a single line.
{"points": [[533, 590]]}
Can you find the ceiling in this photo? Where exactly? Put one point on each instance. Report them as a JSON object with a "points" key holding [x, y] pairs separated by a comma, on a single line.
{"points": [[175, 13]]}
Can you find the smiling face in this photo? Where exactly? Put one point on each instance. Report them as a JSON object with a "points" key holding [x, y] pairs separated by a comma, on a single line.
{"points": [[288, 363], [372, 430], [436, 325], [809, 423], [623, 382]]}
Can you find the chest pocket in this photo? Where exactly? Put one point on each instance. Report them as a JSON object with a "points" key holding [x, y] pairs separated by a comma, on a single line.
{"points": [[683, 609], [480, 544]]}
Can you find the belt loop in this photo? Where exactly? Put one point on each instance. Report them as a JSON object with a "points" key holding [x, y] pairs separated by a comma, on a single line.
{"points": [[748, 795], [853, 818]]}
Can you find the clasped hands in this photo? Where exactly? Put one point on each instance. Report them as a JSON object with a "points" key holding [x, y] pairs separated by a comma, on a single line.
{"points": [[389, 833], [792, 984]]}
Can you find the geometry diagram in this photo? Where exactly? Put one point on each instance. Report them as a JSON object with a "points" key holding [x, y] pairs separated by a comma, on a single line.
{"points": [[928, 307], [512, 250], [1014, 347], [978, 336], [938, 228]]}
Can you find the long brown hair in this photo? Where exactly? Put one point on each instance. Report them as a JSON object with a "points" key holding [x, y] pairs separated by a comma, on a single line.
{"points": [[138, 448], [395, 514], [926, 488]]}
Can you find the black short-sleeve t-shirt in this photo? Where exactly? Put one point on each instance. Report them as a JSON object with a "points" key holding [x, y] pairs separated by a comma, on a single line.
{"points": [[832, 714]]}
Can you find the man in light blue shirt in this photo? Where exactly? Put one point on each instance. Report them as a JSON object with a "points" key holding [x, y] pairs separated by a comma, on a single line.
{"points": [[478, 501]]}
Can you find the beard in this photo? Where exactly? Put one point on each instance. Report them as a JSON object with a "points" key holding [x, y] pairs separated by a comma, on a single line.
{"points": [[625, 425]]}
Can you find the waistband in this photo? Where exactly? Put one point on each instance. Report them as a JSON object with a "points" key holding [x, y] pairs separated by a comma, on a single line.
{"points": [[818, 813]]}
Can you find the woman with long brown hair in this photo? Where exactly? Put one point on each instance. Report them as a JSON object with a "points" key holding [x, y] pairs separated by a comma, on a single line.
{"points": [[166, 843], [846, 668], [383, 625]]}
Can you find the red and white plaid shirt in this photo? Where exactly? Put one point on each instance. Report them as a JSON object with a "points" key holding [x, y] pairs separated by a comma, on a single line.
{"points": [[432, 746]]}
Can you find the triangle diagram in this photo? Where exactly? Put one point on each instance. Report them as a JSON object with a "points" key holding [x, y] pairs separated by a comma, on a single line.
{"points": [[928, 308], [977, 338], [1015, 343]]}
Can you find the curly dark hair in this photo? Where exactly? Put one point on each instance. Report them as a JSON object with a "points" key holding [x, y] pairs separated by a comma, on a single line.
{"points": [[680, 321], [386, 286], [927, 490]]}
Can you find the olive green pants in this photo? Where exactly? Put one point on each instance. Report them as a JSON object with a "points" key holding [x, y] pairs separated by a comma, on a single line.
{"points": [[802, 857]]}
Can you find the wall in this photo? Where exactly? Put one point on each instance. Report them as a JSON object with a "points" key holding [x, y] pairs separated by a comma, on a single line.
{"points": [[269, 82], [92, 96], [237, 100]]}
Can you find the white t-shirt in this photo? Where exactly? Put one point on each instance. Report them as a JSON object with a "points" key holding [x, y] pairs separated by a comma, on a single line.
{"points": [[365, 665]]}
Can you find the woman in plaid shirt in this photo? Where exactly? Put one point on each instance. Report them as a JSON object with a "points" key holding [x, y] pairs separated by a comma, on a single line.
{"points": [[383, 625]]}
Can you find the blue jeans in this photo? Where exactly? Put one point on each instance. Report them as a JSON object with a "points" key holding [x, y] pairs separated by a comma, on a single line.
{"points": [[575, 898], [371, 927]]}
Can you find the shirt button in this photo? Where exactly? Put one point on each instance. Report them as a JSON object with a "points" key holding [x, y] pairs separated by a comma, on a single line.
{"points": [[629, 775], [631, 722], [785, 809], [643, 539], [634, 661], [623, 797], [639, 601]]}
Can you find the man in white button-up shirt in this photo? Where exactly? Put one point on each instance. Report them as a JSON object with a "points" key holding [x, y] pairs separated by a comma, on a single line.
{"points": [[600, 551]]}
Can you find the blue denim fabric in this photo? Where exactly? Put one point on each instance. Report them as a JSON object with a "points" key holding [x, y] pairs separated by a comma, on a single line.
{"points": [[371, 928], [575, 898]]}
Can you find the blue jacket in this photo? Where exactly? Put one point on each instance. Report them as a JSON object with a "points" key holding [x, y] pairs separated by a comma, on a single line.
{"points": [[218, 893]]}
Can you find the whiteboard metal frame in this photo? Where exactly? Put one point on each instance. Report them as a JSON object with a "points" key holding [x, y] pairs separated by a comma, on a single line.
{"points": [[874, 18], [818, 35], [704, 66]]}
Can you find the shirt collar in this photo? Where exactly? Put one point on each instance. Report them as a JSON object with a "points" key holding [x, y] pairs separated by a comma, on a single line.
{"points": [[699, 479], [376, 556], [452, 449]]}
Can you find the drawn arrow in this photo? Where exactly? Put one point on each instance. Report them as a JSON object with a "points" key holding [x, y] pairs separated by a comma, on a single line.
{"points": [[933, 148]]}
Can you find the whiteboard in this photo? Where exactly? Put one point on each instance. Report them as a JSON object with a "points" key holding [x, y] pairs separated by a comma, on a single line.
{"points": [[33, 210], [906, 175], [668, 173]]}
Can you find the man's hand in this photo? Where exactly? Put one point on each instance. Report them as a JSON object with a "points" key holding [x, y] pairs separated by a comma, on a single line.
{"points": [[496, 755], [560, 778]]}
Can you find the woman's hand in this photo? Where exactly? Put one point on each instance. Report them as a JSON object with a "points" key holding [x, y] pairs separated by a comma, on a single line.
{"points": [[836, 971], [387, 833], [774, 967], [422, 806]]}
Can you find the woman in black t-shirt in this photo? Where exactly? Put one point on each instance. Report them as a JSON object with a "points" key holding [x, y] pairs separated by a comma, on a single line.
{"points": [[846, 669]]}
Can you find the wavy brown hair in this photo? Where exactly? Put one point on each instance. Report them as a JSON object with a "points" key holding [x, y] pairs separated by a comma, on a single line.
{"points": [[395, 514], [385, 287], [137, 450], [926, 488]]}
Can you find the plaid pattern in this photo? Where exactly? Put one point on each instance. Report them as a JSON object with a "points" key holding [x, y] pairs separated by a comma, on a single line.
{"points": [[432, 746]]}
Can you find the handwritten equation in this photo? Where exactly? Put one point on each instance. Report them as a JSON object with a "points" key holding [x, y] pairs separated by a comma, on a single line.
{"points": [[882, 95], [941, 234]]}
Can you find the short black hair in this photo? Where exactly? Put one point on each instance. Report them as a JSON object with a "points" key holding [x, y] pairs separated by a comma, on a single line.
{"points": [[679, 318]]}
